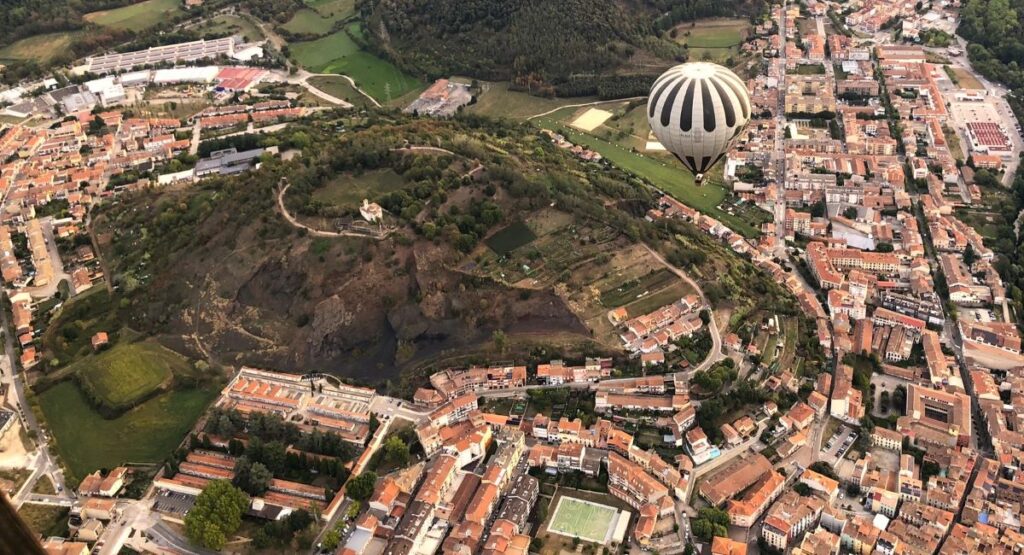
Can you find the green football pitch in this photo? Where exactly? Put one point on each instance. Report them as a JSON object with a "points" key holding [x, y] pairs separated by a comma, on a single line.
{"points": [[583, 519]]}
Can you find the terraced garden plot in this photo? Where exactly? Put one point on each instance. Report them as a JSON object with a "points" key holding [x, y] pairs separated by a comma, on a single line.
{"points": [[510, 238]]}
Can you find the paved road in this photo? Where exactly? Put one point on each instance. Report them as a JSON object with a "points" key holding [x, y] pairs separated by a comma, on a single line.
{"points": [[50, 289], [165, 537], [716, 338], [197, 130], [53, 500], [41, 462]]}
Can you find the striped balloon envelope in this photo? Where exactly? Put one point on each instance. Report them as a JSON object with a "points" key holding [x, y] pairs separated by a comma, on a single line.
{"points": [[696, 111]]}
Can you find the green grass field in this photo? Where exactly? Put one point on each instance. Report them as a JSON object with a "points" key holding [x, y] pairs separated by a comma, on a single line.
{"points": [[41, 48], [663, 173], [339, 87], [122, 376], [713, 33], [350, 190], [582, 519], [321, 15], [712, 39], [137, 17], [148, 433], [226, 23], [309, 21], [338, 53]]}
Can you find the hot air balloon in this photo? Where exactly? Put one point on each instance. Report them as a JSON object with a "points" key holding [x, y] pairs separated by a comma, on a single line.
{"points": [[696, 110]]}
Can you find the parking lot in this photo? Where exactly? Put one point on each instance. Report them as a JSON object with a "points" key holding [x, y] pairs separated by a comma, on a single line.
{"points": [[174, 503], [983, 315], [836, 447]]}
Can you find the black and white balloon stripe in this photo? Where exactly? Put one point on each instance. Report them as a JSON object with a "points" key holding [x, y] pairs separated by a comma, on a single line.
{"points": [[696, 110]]}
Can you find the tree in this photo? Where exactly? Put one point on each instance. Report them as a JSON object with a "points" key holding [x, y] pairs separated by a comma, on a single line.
{"points": [[705, 317], [899, 398], [850, 213], [970, 257], [216, 514], [803, 489], [259, 479], [500, 340], [396, 451], [331, 540], [361, 487], [823, 468]]}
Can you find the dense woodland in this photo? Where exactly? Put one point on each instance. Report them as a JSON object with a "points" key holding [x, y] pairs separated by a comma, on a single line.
{"points": [[570, 47], [996, 47]]}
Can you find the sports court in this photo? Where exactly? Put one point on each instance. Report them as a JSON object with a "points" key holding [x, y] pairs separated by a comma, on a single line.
{"points": [[588, 521], [591, 119]]}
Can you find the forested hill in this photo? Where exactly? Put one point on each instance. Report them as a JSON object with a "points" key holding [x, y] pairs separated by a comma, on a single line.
{"points": [[24, 18], [535, 43]]}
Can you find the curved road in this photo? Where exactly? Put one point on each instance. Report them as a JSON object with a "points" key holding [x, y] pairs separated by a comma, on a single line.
{"points": [[316, 232], [716, 337], [553, 110]]}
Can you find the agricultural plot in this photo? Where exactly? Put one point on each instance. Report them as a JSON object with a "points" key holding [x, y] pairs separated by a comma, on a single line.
{"points": [[591, 119], [128, 373], [338, 53], [510, 238], [585, 520], [634, 289], [350, 190], [657, 299], [137, 17], [148, 433], [592, 268], [549, 257]]}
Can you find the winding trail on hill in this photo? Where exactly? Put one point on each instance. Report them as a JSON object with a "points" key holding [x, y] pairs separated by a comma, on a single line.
{"points": [[318, 232], [368, 233]]}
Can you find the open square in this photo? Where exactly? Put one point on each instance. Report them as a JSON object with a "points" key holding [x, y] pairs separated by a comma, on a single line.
{"points": [[588, 521]]}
